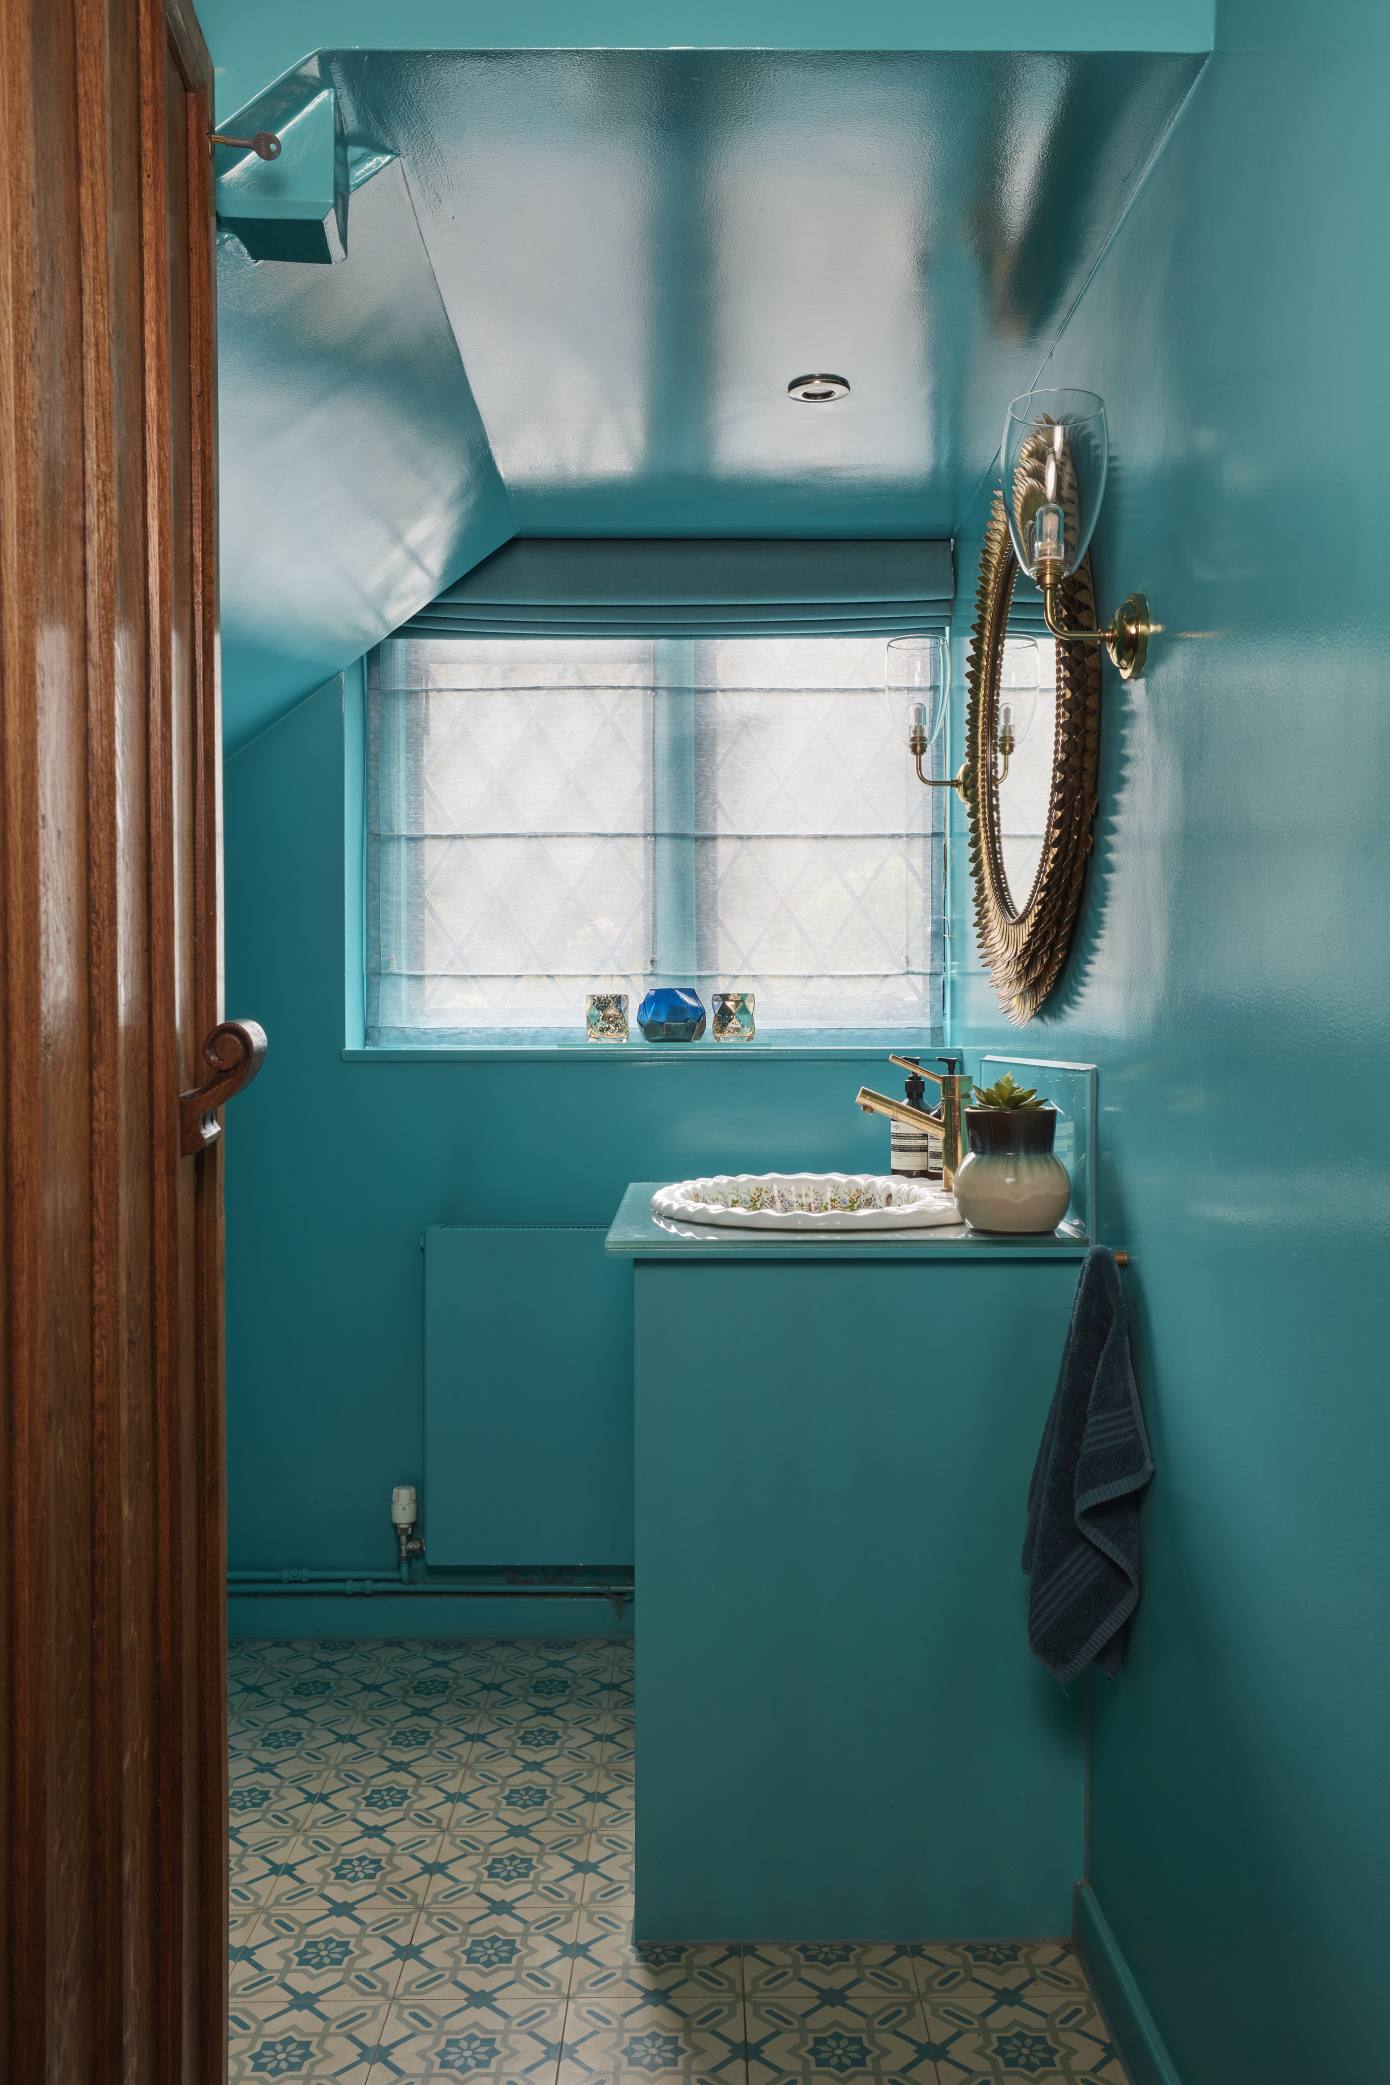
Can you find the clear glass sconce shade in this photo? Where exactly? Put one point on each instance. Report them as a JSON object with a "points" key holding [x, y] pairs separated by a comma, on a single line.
{"points": [[1018, 686], [1055, 454], [919, 669]]}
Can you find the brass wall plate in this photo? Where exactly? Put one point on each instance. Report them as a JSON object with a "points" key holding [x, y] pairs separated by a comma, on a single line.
{"points": [[1025, 950]]}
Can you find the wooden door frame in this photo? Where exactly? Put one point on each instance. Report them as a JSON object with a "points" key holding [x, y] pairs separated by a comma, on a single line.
{"points": [[200, 1839]]}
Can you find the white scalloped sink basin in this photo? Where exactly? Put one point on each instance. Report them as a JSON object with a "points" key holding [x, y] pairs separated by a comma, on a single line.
{"points": [[807, 1202]]}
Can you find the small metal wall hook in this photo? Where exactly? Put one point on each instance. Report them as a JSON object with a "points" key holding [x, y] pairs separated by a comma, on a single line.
{"points": [[264, 144]]}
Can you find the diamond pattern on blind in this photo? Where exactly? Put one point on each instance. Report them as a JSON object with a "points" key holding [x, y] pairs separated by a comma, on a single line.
{"points": [[548, 818]]}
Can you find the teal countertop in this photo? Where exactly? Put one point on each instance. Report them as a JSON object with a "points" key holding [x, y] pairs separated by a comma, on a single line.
{"points": [[639, 1235]]}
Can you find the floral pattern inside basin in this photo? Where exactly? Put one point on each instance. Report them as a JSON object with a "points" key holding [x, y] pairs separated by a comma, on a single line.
{"points": [[807, 1201]]}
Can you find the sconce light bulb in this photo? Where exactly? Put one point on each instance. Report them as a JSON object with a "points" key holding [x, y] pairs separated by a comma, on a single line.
{"points": [[917, 719], [1049, 538]]}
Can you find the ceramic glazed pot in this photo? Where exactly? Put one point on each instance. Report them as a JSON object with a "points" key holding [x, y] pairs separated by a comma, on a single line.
{"points": [[1009, 1180]]}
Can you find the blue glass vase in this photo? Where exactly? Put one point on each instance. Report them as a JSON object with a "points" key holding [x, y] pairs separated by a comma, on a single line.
{"points": [[672, 1013]]}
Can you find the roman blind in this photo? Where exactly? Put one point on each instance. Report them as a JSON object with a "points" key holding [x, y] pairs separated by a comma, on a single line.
{"points": [[703, 587]]}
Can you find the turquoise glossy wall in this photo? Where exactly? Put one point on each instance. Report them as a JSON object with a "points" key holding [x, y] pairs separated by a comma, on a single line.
{"points": [[1234, 976], [335, 1169]]}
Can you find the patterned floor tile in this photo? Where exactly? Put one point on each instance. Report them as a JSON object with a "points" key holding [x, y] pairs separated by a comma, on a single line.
{"points": [[477, 1953], [577, 1654], [817, 1969], [268, 1808], [460, 1652], [357, 1865], [527, 1729], [620, 1761], [1008, 2045], [258, 1734], [318, 1953], [537, 1869], [882, 2043], [309, 2044], [437, 2043], [257, 1874], [558, 1791], [420, 1789], [293, 1751], [301, 1657], [430, 1746], [613, 1808], [982, 1970], [532, 1827], [610, 1965], [241, 1931], [547, 1740], [669, 2040], [431, 1850], [433, 1698], [1032, 2003], [555, 1686], [608, 1868], [290, 1764], [267, 1691]]}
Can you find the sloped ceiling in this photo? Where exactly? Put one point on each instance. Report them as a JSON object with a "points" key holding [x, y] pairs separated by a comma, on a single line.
{"points": [[573, 302]]}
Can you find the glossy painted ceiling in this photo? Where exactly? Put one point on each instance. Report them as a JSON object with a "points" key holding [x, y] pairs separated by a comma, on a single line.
{"points": [[574, 301]]}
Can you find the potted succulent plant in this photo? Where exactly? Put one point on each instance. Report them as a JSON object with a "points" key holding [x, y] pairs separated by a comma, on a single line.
{"points": [[1010, 1181]]}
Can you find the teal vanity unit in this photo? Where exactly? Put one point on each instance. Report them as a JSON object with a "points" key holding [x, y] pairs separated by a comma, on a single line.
{"points": [[841, 1733]]}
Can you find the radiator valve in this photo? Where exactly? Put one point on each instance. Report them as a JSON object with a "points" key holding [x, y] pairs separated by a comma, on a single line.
{"points": [[404, 1513]]}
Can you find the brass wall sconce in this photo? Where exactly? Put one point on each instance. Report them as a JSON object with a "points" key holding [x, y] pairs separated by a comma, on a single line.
{"points": [[921, 666], [1055, 454]]}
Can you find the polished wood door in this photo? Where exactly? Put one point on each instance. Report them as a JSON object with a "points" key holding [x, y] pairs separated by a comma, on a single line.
{"points": [[112, 1846]]}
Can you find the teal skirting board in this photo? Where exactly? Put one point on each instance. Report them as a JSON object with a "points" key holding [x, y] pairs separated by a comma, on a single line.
{"points": [[1121, 2000], [423, 1619]]}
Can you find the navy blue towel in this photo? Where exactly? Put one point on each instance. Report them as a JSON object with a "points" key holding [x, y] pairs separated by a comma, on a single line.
{"points": [[1082, 1546]]}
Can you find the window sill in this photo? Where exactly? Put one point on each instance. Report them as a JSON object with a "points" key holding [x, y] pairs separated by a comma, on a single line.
{"points": [[637, 1052]]}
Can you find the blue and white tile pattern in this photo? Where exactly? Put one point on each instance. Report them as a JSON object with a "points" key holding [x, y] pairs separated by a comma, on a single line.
{"points": [[431, 1855]]}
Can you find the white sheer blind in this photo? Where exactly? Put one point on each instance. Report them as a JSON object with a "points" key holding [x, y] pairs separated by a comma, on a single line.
{"points": [[548, 818]]}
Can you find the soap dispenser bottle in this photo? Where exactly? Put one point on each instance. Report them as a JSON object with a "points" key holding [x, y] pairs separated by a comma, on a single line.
{"points": [[914, 1155]]}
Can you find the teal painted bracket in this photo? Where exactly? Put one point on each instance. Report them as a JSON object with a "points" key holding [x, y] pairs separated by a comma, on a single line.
{"points": [[294, 208], [1121, 2000]]}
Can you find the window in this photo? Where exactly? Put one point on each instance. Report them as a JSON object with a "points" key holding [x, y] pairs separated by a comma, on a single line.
{"points": [[549, 817], [1030, 688]]}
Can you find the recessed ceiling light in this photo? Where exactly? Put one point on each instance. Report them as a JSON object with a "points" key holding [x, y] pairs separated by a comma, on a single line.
{"points": [[818, 389]]}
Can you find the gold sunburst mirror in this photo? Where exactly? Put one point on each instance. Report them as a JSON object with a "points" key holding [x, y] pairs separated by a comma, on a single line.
{"points": [[1030, 820]]}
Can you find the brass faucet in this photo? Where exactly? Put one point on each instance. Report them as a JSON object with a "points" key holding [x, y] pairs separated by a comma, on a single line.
{"points": [[944, 1124]]}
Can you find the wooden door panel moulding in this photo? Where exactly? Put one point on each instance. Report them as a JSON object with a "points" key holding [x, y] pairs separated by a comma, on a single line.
{"points": [[112, 1650], [121, 1835]]}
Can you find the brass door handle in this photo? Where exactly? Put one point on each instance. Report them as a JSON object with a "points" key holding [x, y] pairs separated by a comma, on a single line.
{"points": [[234, 1050]]}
